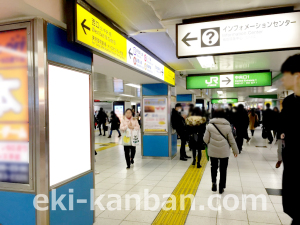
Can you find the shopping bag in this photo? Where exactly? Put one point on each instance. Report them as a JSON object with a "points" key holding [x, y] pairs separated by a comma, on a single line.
{"points": [[206, 151], [135, 138], [126, 138]]}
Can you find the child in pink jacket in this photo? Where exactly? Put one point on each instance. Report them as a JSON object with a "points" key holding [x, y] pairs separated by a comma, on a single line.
{"points": [[129, 122]]}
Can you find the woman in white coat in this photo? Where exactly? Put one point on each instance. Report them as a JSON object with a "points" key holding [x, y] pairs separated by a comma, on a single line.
{"points": [[129, 122], [219, 138]]}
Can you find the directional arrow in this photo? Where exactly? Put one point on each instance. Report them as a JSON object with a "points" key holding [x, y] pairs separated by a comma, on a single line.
{"points": [[228, 80], [186, 39], [130, 54], [84, 26]]}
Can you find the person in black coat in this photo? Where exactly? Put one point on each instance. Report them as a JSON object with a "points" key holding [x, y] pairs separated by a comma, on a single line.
{"points": [[101, 118], [276, 116], [115, 123], [241, 123], [196, 126], [268, 122], [178, 124], [290, 133]]}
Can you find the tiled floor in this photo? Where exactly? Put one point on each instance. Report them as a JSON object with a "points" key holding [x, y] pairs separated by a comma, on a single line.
{"points": [[250, 173]]}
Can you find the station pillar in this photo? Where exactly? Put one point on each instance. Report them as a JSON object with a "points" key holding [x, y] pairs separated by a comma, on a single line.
{"points": [[159, 140]]}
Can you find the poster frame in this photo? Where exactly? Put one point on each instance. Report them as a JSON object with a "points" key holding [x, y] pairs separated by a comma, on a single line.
{"points": [[30, 187]]}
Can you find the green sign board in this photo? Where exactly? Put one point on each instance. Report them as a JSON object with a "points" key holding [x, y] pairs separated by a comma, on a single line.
{"points": [[229, 80], [224, 100]]}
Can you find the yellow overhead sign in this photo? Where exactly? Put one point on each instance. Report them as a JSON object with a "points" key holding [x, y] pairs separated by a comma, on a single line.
{"points": [[94, 33], [97, 35], [169, 76]]}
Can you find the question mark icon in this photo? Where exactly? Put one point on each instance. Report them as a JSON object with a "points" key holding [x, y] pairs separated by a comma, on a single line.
{"points": [[212, 34]]}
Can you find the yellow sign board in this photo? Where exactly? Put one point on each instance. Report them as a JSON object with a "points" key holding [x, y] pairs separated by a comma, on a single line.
{"points": [[94, 33], [169, 76], [97, 35]]}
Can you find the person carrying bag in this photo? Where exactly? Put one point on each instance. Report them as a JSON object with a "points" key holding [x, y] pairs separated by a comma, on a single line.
{"points": [[129, 126], [219, 139]]}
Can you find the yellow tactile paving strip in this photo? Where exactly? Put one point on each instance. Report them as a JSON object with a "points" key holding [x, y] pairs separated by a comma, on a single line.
{"points": [[187, 185], [107, 145]]}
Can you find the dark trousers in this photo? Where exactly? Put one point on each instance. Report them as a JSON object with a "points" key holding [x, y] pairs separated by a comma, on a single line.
{"points": [[103, 125], [252, 132], [270, 136], [129, 153], [183, 143], [223, 170], [195, 153], [112, 131], [240, 135], [296, 221]]}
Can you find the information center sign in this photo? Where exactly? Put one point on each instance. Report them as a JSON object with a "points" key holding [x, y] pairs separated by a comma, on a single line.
{"points": [[248, 34], [224, 100], [229, 80], [93, 33]]}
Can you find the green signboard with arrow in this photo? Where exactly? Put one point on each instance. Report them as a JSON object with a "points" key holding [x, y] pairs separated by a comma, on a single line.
{"points": [[224, 100], [229, 80]]}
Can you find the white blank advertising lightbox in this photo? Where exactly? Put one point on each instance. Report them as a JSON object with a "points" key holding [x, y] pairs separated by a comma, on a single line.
{"points": [[69, 124]]}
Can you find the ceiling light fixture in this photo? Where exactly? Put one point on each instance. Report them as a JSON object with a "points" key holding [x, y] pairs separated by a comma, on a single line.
{"points": [[134, 85], [206, 61], [127, 95], [272, 89], [220, 92]]}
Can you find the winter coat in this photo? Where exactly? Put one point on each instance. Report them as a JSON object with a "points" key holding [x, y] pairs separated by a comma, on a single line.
{"points": [[178, 122], [115, 122], [241, 120], [218, 146], [101, 117], [252, 120], [196, 126], [268, 119], [125, 122], [290, 124]]}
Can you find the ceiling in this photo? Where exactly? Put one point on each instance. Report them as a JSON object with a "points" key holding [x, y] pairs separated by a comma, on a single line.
{"points": [[158, 14], [140, 15]]}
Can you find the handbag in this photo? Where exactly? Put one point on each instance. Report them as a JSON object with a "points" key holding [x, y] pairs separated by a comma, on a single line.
{"points": [[221, 134], [233, 130], [126, 138], [264, 133], [206, 151], [135, 138]]}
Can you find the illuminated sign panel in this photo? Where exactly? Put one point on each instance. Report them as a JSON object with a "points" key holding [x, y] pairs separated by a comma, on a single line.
{"points": [[98, 36], [248, 34], [224, 100], [229, 80], [14, 120]]}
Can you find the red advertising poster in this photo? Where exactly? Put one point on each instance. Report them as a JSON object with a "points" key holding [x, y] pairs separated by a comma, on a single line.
{"points": [[14, 122]]}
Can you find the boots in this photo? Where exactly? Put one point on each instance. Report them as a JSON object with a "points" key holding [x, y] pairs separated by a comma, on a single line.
{"points": [[194, 162], [198, 165], [214, 187]]}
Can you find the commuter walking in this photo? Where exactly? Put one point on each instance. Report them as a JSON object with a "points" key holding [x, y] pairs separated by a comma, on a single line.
{"points": [[196, 125], [276, 118], [130, 122], [253, 121], [102, 118], [219, 138], [241, 123], [268, 121], [115, 123], [133, 112], [289, 130], [191, 109], [178, 124]]}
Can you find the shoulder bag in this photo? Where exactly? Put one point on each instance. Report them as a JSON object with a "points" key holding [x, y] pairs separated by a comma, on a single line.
{"points": [[221, 134]]}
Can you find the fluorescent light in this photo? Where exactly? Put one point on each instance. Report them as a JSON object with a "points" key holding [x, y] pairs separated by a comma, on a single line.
{"points": [[127, 95], [206, 61], [271, 90], [220, 92], [134, 85]]}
